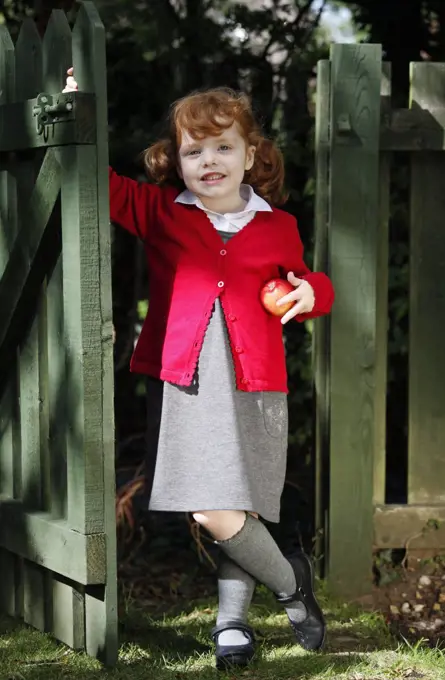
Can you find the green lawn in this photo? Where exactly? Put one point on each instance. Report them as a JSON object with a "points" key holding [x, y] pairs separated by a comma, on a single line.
{"points": [[176, 647]]}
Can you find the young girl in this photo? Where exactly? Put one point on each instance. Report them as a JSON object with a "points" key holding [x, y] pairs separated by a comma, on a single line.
{"points": [[212, 238]]}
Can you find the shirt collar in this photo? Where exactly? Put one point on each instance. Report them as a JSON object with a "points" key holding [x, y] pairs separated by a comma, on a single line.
{"points": [[253, 201]]}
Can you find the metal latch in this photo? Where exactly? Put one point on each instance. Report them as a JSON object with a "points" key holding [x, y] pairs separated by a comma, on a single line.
{"points": [[51, 109]]}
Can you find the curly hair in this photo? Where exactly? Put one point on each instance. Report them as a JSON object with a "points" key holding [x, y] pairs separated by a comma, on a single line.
{"points": [[207, 113]]}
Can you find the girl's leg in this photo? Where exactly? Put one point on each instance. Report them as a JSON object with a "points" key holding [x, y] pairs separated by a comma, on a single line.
{"points": [[235, 592], [248, 543]]}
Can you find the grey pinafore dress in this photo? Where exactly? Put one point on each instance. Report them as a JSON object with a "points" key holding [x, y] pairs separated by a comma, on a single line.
{"points": [[217, 448]]}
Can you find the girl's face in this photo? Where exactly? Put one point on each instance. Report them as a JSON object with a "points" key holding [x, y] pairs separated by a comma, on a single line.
{"points": [[213, 168]]}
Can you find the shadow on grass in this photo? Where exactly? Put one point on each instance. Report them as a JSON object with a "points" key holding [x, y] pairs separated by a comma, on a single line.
{"points": [[180, 649]]}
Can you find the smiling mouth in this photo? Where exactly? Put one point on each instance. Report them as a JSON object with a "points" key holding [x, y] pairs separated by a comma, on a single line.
{"points": [[212, 177]]}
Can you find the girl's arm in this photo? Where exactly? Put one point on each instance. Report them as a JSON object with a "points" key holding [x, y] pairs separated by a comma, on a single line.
{"points": [[319, 282], [132, 203]]}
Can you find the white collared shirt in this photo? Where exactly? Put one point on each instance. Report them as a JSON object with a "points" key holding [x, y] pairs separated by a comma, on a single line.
{"points": [[229, 222]]}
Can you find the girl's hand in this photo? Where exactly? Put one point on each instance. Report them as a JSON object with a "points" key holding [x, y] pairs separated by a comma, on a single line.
{"points": [[303, 295], [71, 85]]}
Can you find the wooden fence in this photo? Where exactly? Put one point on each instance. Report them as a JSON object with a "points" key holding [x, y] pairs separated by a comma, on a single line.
{"points": [[358, 135], [57, 500]]}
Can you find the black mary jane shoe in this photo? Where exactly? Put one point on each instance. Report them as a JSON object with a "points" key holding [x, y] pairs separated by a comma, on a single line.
{"points": [[311, 632], [228, 656]]}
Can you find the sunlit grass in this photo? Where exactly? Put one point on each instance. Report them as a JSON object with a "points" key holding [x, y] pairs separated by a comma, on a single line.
{"points": [[177, 647]]}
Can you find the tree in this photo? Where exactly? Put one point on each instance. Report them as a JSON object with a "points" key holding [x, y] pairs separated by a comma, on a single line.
{"points": [[409, 30]]}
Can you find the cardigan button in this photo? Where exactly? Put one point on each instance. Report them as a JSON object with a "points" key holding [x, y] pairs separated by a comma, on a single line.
{"points": [[223, 252], [220, 284], [239, 350], [232, 317], [244, 381]]}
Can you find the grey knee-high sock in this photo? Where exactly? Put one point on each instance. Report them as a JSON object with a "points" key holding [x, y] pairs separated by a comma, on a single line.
{"points": [[235, 589], [254, 549]]}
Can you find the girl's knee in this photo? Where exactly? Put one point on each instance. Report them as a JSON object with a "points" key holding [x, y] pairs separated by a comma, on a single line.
{"points": [[222, 524], [202, 517]]}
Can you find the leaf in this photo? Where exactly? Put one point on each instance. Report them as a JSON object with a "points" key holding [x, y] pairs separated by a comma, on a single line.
{"points": [[142, 309]]}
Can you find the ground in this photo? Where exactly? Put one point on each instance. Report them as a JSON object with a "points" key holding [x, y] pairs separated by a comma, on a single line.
{"points": [[412, 598], [165, 621]]}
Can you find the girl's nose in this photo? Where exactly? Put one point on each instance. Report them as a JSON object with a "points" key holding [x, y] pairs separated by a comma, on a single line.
{"points": [[208, 157]]}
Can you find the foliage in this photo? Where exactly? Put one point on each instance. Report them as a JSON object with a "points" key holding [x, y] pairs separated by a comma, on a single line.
{"points": [[423, 33]]}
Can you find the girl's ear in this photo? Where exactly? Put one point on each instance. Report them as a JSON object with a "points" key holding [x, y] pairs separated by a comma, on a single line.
{"points": [[250, 157]]}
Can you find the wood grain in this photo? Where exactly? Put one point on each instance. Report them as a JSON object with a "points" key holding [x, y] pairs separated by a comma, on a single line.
{"points": [[426, 436], [354, 228]]}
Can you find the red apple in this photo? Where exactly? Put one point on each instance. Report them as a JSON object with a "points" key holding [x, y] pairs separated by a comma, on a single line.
{"points": [[272, 291]]}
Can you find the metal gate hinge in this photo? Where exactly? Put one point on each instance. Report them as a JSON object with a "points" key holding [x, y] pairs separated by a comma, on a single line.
{"points": [[51, 109]]}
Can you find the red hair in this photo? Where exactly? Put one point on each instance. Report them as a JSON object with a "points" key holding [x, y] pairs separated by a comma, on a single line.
{"points": [[208, 113]]}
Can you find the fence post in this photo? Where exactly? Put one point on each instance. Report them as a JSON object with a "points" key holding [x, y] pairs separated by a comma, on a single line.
{"points": [[353, 250], [320, 336], [90, 67], [426, 460]]}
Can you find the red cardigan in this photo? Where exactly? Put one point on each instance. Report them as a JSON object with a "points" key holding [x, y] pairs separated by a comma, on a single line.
{"points": [[189, 266]]}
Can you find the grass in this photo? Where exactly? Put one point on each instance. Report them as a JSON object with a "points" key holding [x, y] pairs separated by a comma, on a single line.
{"points": [[176, 647]]}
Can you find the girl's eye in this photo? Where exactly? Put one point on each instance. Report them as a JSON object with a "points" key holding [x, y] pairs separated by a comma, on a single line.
{"points": [[193, 152], [225, 147]]}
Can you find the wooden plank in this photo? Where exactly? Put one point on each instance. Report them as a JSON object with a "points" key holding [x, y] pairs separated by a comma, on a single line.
{"points": [[320, 335], [426, 460], [8, 483], [420, 527], [90, 68], [34, 591], [10, 442], [412, 130], [354, 228], [66, 604], [8, 199], [57, 58], [7, 589], [22, 270], [57, 54], [52, 544], [33, 577], [8, 216], [81, 289], [11, 567], [29, 61], [67, 613], [31, 398], [381, 361], [18, 130], [34, 595], [7, 452], [8, 233], [57, 397]]}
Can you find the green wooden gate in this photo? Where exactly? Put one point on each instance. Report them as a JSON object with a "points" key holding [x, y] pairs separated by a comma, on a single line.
{"points": [[358, 133], [57, 500]]}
